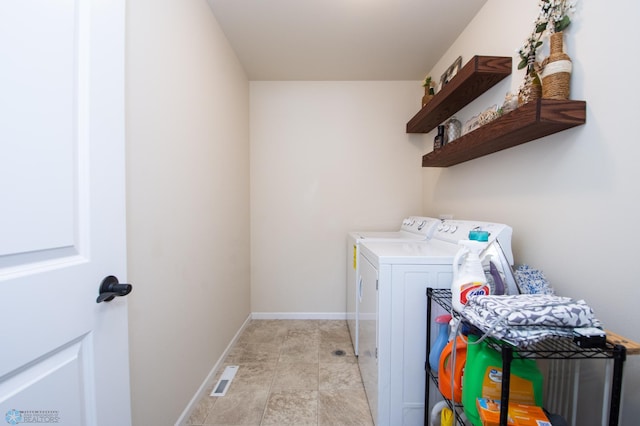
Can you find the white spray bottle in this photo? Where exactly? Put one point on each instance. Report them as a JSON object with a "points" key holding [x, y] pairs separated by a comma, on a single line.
{"points": [[468, 277]]}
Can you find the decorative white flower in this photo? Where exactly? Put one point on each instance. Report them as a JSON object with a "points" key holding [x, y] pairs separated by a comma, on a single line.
{"points": [[556, 13], [553, 17]]}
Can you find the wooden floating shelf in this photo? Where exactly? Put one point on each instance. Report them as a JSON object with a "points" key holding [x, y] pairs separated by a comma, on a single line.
{"points": [[531, 121], [475, 78]]}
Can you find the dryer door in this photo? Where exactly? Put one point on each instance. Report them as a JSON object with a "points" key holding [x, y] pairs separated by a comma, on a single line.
{"points": [[368, 332]]}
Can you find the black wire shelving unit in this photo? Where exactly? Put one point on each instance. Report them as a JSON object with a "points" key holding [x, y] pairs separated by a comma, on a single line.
{"points": [[555, 348]]}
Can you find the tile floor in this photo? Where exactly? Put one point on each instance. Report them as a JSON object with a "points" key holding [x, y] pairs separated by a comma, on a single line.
{"points": [[291, 372]]}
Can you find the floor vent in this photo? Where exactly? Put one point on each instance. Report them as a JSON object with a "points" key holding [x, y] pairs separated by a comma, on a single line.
{"points": [[220, 389]]}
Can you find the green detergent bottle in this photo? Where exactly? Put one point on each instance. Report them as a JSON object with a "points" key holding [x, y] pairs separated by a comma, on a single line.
{"points": [[483, 379]]}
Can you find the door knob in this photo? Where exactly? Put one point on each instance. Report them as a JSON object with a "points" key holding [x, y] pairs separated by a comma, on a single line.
{"points": [[110, 288]]}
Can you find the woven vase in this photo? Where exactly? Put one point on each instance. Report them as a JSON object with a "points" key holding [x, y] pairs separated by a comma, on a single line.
{"points": [[556, 74]]}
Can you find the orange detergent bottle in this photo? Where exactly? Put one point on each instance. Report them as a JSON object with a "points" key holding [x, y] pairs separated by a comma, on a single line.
{"points": [[445, 371]]}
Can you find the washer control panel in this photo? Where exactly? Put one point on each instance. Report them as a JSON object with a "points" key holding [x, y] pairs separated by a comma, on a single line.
{"points": [[452, 231]]}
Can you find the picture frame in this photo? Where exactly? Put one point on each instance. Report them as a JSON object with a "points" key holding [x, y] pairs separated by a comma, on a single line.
{"points": [[451, 72]]}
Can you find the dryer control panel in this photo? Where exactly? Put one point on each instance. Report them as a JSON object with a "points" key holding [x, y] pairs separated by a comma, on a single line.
{"points": [[452, 231], [420, 225]]}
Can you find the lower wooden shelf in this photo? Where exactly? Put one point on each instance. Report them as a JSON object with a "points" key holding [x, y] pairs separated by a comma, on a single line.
{"points": [[531, 121]]}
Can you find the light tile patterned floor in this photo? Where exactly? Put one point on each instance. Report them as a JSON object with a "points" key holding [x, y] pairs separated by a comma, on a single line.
{"points": [[291, 374]]}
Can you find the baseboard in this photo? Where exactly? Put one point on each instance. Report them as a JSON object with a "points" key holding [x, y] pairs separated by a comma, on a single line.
{"points": [[299, 315], [182, 420]]}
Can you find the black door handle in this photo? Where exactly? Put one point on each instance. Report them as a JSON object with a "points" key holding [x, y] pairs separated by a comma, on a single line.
{"points": [[110, 288]]}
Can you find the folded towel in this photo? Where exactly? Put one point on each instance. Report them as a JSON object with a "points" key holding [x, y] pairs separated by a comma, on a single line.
{"points": [[525, 319], [532, 281]]}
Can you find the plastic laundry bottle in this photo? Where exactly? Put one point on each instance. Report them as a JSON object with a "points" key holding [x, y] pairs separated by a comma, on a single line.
{"points": [[450, 372], [468, 276], [483, 378], [440, 343]]}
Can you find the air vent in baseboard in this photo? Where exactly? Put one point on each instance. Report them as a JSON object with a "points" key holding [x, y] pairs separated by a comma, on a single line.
{"points": [[220, 389]]}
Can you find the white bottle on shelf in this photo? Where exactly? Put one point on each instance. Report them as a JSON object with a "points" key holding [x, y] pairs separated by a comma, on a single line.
{"points": [[468, 276]]}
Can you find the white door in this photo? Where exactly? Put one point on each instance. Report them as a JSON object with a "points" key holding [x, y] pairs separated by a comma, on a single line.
{"points": [[63, 356]]}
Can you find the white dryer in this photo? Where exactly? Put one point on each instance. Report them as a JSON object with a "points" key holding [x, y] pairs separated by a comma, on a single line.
{"points": [[413, 228], [392, 316]]}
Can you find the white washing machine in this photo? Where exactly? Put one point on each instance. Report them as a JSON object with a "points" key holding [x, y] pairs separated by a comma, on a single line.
{"points": [[392, 313], [413, 228]]}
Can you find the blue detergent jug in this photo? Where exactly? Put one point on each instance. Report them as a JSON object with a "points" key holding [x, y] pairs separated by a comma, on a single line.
{"points": [[441, 341]]}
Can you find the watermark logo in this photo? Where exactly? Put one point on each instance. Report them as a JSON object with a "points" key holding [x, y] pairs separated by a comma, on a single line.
{"points": [[14, 417]]}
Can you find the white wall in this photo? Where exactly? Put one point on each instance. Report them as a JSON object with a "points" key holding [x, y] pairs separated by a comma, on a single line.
{"points": [[326, 158], [572, 198], [188, 201]]}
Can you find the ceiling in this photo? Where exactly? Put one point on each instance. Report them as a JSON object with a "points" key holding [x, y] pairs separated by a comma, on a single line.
{"points": [[342, 39]]}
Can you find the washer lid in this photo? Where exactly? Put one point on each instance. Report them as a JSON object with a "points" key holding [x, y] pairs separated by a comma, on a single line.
{"points": [[409, 252]]}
